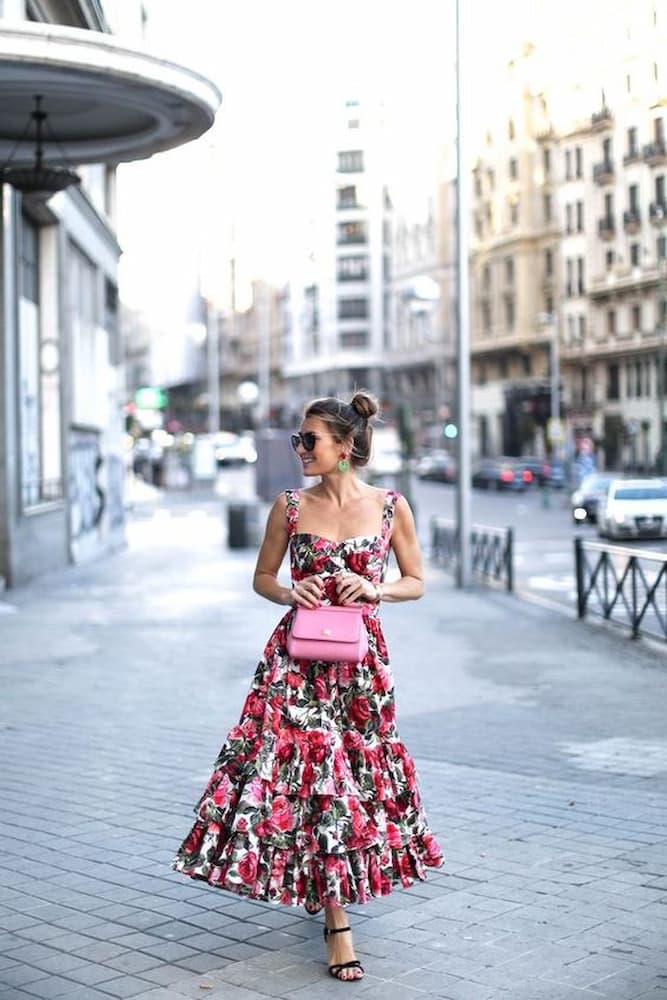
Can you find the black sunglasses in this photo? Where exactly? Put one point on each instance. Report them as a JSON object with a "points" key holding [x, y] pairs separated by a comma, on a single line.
{"points": [[307, 440]]}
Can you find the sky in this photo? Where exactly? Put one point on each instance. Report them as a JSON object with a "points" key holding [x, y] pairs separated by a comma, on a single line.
{"points": [[283, 67]]}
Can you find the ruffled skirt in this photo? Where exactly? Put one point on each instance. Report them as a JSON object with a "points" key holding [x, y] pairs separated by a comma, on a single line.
{"points": [[313, 796]]}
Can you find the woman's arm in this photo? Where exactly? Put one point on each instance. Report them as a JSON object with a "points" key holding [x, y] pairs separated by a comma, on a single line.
{"points": [[405, 544], [271, 554]]}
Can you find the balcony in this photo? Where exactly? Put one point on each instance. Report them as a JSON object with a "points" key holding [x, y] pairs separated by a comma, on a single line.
{"points": [[632, 156], [658, 212], [602, 119], [603, 173], [606, 228], [655, 153], [632, 220]]}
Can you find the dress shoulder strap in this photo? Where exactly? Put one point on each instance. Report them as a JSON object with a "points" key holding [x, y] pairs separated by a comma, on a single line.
{"points": [[388, 508], [292, 512]]}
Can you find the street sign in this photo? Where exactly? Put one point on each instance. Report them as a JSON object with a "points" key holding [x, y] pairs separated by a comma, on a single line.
{"points": [[555, 430]]}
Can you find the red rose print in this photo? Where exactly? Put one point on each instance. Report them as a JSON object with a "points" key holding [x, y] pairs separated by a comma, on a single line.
{"points": [[359, 711], [406, 866], [320, 689], [248, 867], [282, 814], [353, 740], [294, 680], [393, 835]]}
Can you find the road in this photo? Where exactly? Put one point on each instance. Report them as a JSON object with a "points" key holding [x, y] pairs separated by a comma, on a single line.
{"points": [[543, 529]]}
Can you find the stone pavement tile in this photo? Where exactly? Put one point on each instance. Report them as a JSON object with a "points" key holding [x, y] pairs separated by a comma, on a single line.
{"points": [[144, 919], [11, 921], [92, 974], [124, 986], [99, 951], [76, 921], [167, 975], [206, 919], [20, 975], [169, 951], [203, 962], [206, 941], [132, 961], [241, 951], [51, 986], [589, 972]]}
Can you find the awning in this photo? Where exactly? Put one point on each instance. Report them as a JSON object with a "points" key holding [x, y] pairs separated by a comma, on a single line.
{"points": [[106, 102]]}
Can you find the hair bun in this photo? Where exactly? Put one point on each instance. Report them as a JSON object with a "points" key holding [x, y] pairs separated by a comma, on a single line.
{"points": [[365, 404]]}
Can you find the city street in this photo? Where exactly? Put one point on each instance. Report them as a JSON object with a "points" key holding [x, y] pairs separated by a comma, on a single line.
{"points": [[539, 740], [544, 533]]}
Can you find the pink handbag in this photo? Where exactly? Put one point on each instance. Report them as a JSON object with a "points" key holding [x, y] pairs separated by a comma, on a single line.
{"points": [[330, 633]]}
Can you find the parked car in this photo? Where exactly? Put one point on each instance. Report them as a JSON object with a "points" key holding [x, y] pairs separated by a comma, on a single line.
{"points": [[634, 508], [234, 449], [543, 472], [587, 497], [500, 474], [436, 466]]}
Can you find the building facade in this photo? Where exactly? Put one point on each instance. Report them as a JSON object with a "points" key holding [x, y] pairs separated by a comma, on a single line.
{"points": [[61, 373]]}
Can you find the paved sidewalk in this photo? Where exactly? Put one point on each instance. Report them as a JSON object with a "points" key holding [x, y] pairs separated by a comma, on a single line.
{"points": [[541, 744]]}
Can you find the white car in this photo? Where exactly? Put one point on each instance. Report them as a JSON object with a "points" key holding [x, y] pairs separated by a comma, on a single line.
{"points": [[634, 508]]}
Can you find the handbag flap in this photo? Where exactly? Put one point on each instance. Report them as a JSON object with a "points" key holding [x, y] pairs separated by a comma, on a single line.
{"points": [[334, 624]]}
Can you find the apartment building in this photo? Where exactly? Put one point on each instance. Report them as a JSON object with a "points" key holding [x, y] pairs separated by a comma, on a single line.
{"points": [[338, 310], [514, 273], [570, 220]]}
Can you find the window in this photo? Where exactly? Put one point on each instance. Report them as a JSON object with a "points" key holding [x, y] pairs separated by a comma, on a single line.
{"points": [[350, 339], [632, 142], [351, 161], [39, 375], [611, 322], [658, 131], [633, 197], [347, 197], [639, 378], [580, 216], [513, 168], [661, 247], [548, 263], [548, 304], [546, 161], [613, 382], [579, 162], [569, 284], [509, 312], [491, 178], [568, 164], [353, 309], [630, 380], [609, 260], [582, 327], [478, 184], [514, 212], [581, 284], [547, 207], [660, 189], [509, 270], [606, 151], [609, 207], [511, 130], [568, 218], [634, 254], [636, 318], [351, 232], [486, 277], [352, 268], [486, 317]]}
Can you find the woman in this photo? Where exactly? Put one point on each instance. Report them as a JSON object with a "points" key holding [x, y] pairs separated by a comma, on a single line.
{"points": [[314, 800]]}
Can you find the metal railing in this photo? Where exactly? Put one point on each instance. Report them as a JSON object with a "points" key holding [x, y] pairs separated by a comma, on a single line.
{"points": [[492, 550], [622, 585]]}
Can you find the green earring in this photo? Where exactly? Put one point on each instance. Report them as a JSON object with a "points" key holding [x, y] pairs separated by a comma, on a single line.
{"points": [[343, 465]]}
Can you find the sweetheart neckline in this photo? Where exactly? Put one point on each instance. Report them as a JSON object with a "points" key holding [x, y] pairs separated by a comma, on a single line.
{"points": [[323, 538]]}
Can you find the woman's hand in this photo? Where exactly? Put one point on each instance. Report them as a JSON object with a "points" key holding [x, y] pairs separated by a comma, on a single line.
{"points": [[351, 588], [307, 593]]}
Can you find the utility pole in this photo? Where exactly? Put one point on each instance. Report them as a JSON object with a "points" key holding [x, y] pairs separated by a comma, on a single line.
{"points": [[463, 573], [213, 367], [661, 463]]}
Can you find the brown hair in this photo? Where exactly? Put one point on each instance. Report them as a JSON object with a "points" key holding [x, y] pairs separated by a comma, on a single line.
{"points": [[347, 420]]}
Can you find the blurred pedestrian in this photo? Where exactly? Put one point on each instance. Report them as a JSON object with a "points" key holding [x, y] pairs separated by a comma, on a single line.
{"points": [[314, 800]]}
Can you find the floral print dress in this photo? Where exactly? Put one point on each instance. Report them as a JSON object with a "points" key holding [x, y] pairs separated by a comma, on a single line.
{"points": [[313, 796]]}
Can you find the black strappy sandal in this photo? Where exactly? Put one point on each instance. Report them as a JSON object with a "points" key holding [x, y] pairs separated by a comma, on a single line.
{"points": [[335, 970]]}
